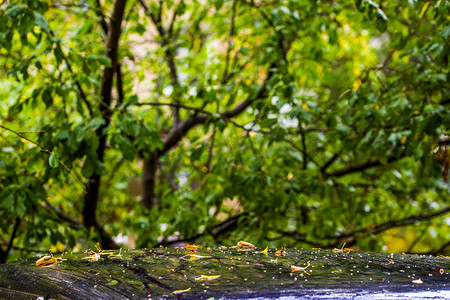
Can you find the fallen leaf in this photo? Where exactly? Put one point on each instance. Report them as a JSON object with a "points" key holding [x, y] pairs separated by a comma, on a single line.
{"points": [[93, 258], [113, 282], [46, 261], [417, 281], [207, 277], [280, 253], [181, 291], [265, 251], [245, 244], [335, 250], [195, 257], [299, 269], [192, 247]]}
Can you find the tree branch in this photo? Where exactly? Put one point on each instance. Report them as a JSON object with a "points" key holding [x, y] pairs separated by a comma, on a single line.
{"points": [[329, 163], [441, 249], [74, 223], [99, 12], [359, 167], [376, 229], [225, 75], [351, 237], [169, 54], [178, 132], [220, 229], [104, 26]]}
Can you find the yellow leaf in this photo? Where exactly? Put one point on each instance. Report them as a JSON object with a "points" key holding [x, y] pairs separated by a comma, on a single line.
{"points": [[404, 138], [98, 247], [195, 257], [245, 244], [192, 247], [299, 269], [280, 253], [305, 106], [93, 257], [424, 8], [181, 291], [46, 261], [356, 84], [335, 250], [207, 277], [265, 251]]}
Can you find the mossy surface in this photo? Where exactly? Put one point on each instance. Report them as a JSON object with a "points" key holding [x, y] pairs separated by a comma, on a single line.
{"points": [[157, 273]]}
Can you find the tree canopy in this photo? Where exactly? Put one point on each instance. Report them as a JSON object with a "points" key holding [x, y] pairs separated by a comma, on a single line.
{"points": [[290, 122]]}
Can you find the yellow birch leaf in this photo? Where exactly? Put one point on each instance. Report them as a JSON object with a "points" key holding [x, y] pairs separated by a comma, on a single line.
{"points": [[299, 269], [335, 250], [295, 268], [245, 244], [305, 106], [424, 8], [46, 261], [280, 253], [265, 251], [192, 247], [207, 277], [181, 291], [195, 257]]}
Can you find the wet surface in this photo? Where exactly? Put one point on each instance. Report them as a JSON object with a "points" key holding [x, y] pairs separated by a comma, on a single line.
{"points": [[183, 274]]}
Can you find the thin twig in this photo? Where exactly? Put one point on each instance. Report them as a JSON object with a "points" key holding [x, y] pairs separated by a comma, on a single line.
{"points": [[46, 150]]}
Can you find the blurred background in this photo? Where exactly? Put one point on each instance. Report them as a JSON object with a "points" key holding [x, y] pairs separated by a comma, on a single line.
{"points": [[283, 123]]}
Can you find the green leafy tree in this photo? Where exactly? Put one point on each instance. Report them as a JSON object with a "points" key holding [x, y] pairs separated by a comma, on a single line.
{"points": [[302, 123]]}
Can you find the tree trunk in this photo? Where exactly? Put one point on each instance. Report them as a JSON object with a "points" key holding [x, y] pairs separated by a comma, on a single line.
{"points": [[149, 181], [228, 273], [93, 183]]}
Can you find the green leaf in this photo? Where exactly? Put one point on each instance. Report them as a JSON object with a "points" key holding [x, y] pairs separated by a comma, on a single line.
{"points": [[113, 282], [47, 97], [15, 10], [125, 146], [104, 60], [40, 21], [58, 55], [244, 51], [88, 167], [296, 155], [94, 124], [53, 160], [445, 33], [381, 24]]}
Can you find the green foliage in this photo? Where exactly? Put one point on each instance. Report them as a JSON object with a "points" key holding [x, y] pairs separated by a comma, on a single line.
{"points": [[345, 103]]}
